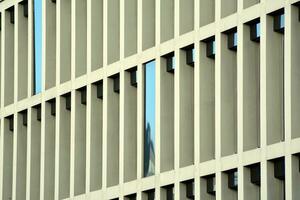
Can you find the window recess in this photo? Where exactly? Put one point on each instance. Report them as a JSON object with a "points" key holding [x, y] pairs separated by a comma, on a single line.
{"points": [[83, 95], [11, 122], [255, 174], [190, 55], [38, 112], [149, 194], [68, 101], [52, 103], [279, 168], [232, 179], [210, 47], [25, 7], [211, 184], [279, 21], [130, 197], [170, 58], [11, 11], [133, 76], [277, 186], [24, 117], [169, 192], [232, 39], [116, 86], [298, 5], [190, 189], [99, 85], [254, 30]]}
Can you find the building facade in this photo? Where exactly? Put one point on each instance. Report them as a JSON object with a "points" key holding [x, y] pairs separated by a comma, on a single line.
{"points": [[150, 99]]}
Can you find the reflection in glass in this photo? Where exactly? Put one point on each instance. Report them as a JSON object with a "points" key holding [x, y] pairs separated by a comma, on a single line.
{"points": [[149, 140], [281, 21], [257, 30], [214, 47], [37, 46], [190, 56], [235, 39]]}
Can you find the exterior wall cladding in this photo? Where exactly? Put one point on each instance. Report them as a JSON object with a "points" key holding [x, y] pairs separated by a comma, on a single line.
{"points": [[151, 99]]}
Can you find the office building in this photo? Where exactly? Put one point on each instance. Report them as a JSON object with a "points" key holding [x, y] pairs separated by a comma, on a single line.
{"points": [[149, 99]]}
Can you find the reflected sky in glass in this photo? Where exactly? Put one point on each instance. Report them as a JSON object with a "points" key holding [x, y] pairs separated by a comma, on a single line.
{"points": [[149, 140], [235, 39], [236, 178], [282, 21], [38, 46], [257, 30], [173, 62]]}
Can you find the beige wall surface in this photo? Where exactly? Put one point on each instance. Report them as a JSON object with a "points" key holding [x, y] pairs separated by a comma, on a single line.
{"points": [[81, 139]]}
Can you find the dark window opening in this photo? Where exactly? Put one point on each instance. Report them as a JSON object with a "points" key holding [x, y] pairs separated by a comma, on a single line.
{"points": [[298, 5], [169, 192], [133, 76], [130, 197], [68, 101], [298, 155], [232, 179], [232, 39], [11, 11], [254, 30], [255, 174], [170, 59], [279, 21], [190, 189], [83, 95], [11, 122], [279, 172], [52, 103], [99, 86], [25, 7], [211, 184], [116, 83], [190, 55], [38, 112], [210, 47], [150, 194], [279, 168], [24, 114]]}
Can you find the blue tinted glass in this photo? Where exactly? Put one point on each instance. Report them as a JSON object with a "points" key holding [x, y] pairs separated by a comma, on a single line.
{"points": [[38, 46], [258, 30], [149, 141], [235, 178], [235, 39], [173, 62], [214, 47], [282, 21]]}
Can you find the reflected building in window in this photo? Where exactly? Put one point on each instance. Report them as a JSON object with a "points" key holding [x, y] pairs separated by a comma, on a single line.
{"points": [[149, 137]]}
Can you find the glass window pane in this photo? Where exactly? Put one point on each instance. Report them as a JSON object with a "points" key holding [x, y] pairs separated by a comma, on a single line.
{"points": [[173, 62], [282, 21], [258, 30], [149, 140], [235, 178], [235, 39], [37, 46]]}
